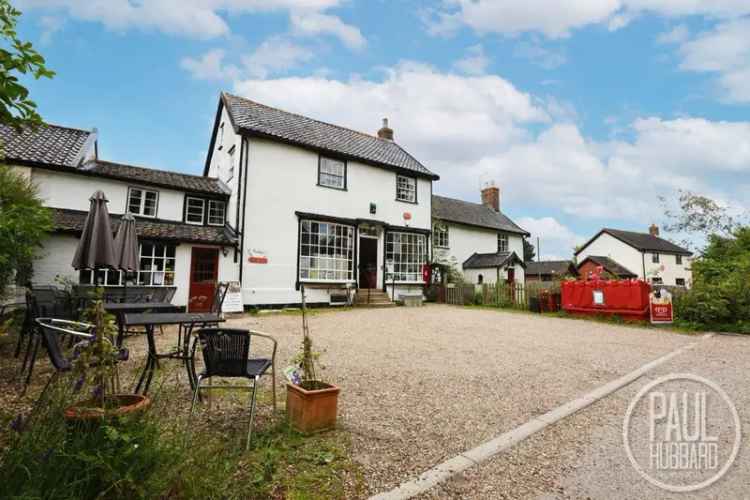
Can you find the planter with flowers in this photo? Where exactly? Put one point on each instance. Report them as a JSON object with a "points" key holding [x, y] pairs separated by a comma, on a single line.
{"points": [[311, 404]]}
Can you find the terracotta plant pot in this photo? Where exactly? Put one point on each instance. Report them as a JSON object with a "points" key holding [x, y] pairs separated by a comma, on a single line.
{"points": [[312, 410], [119, 405]]}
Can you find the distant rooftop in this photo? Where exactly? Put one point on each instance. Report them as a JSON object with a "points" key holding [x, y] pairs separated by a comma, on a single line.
{"points": [[644, 242], [473, 214], [48, 144]]}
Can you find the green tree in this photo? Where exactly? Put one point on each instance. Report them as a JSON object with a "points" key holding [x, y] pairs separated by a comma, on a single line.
{"points": [[23, 224], [17, 58], [529, 252]]}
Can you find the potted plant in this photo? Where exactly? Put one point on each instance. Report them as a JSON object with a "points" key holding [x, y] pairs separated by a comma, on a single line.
{"points": [[311, 404], [95, 365]]}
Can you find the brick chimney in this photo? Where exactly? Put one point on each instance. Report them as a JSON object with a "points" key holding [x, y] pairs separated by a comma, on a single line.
{"points": [[653, 230], [385, 132], [491, 196]]}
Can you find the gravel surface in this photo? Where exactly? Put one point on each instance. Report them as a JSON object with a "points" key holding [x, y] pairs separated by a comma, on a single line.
{"points": [[583, 456], [423, 384]]}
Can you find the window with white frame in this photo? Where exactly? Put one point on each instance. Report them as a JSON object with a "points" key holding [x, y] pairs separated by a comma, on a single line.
{"points": [[100, 277], [678, 260], [194, 210], [405, 255], [332, 173], [216, 212], [655, 258], [440, 235], [326, 251], [406, 188], [502, 242], [157, 264], [142, 202]]}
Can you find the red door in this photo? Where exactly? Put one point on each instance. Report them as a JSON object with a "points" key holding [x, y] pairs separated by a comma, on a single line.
{"points": [[511, 275], [204, 273]]}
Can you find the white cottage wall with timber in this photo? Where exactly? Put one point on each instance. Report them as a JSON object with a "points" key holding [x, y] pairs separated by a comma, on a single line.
{"points": [[72, 191], [282, 180]]}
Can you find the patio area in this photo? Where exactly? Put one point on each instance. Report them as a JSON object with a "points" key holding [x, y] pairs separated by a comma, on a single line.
{"points": [[420, 385]]}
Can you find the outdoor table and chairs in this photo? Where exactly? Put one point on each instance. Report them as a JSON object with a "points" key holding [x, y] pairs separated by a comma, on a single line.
{"points": [[186, 323]]}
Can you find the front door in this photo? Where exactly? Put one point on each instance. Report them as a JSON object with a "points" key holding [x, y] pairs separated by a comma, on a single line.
{"points": [[511, 275], [204, 273], [368, 263]]}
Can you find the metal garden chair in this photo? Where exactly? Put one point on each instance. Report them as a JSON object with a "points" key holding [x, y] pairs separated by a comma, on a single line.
{"points": [[226, 354]]}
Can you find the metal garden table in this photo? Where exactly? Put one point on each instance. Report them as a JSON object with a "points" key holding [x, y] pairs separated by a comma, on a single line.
{"points": [[186, 323], [119, 309]]}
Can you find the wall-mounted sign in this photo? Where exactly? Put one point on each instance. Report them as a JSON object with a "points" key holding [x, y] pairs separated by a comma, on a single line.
{"points": [[407, 215], [598, 297], [661, 307], [233, 299], [257, 257]]}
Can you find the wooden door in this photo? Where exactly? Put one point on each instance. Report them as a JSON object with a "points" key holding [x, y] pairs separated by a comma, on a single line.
{"points": [[511, 275], [204, 274], [368, 263]]}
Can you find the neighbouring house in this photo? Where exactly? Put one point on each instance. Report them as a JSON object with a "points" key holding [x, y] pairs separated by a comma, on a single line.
{"points": [[632, 254], [478, 238], [319, 204], [180, 219], [550, 270]]}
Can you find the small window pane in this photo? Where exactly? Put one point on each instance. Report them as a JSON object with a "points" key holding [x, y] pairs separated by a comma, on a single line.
{"points": [[406, 188], [142, 202], [332, 173], [194, 212], [216, 212]]}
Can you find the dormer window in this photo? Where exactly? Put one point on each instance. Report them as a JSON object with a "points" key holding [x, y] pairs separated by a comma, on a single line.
{"points": [[195, 209], [216, 212], [142, 202]]}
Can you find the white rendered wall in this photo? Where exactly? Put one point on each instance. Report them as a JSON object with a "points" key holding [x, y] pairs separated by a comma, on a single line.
{"points": [[489, 275], [283, 179], [54, 259], [72, 191], [221, 162]]}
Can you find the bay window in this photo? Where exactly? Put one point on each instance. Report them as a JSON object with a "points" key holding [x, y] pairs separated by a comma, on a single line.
{"points": [[326, 251], [405, 254]]}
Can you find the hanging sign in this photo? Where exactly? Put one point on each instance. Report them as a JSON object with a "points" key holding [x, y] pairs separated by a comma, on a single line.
{"points": [[233, 299], [661, 307]]}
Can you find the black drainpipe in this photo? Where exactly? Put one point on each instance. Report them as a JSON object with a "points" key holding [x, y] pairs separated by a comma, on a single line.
{"points": [[244, 145], [643, 263]]}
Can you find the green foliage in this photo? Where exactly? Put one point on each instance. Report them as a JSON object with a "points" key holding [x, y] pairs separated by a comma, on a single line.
{"points": [[529, 252], [720, 295], [23, 225], [17, 57]]}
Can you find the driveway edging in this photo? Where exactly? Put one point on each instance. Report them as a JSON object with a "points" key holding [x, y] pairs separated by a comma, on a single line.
{"points": [[483, 452]]}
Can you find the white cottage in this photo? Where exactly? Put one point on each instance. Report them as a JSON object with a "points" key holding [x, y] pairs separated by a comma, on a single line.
{"points": [[318, 204], [630, 254], [185, 242], [478, 238]]}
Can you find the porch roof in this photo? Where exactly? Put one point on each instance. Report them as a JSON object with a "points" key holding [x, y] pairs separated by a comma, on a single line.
{"points": [[492, 260]]}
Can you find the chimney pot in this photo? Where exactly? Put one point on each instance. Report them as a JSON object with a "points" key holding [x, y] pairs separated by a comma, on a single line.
{"points": [[653, 230], [491, 197], [385, 132]]}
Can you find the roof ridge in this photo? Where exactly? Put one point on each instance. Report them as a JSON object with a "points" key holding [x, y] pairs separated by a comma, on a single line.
{"points": [[387, 141], [151, 168]]}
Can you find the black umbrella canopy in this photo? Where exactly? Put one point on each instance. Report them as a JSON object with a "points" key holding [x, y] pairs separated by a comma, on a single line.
{"points": [[126, 245], [96, 246]]}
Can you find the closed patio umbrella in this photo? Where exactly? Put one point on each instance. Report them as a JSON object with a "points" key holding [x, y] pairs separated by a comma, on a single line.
{"points": [[126, 248], [96, 246]]}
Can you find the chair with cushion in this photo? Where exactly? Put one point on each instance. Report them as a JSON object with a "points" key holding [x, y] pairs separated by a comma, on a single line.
{"points": [[226, 353]]}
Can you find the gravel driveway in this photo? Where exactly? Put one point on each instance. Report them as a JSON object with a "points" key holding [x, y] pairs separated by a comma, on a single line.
{"points": [[420, 385]]}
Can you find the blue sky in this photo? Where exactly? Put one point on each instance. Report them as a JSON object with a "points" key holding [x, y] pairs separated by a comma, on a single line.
{"points": [[583, 112]]}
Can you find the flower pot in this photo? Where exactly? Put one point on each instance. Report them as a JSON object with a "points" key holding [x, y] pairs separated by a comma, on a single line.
{"points": [[118, 405], [312, 410]]}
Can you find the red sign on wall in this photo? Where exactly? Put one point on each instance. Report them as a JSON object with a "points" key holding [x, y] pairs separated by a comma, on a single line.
{"points": [[257, 259]]}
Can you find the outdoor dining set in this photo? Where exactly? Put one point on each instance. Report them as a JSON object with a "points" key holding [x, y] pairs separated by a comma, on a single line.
{"points": [[53, 319]]}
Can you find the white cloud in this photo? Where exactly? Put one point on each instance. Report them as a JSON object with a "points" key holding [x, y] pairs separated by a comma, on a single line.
{"points": [[202, 18], [210, 66], [475, 61], [724, 50], [678, 34], [315, 23], [556, 240], [557, 19], [275, 55], [539, 55]]}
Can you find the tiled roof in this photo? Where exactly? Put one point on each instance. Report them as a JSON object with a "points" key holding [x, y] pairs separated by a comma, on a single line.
{"points": [[255, 118], [174, 180], [557, 267], [491, 260], [644, 242], [610, 266], [65, 220], [50, 144], [473, 214]]}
